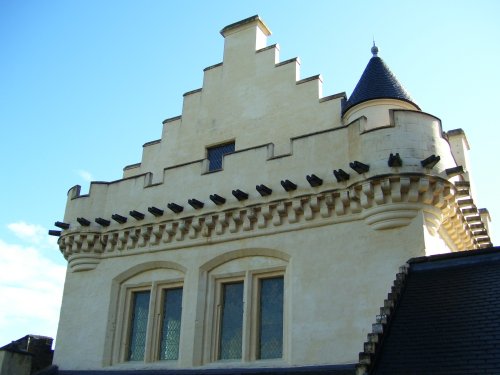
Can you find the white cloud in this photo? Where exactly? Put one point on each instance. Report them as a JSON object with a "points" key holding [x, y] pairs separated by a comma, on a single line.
{"points": [[33, 234], [86, 175], [31, 285]]}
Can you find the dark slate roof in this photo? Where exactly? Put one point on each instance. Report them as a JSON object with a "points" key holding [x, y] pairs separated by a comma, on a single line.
{"points": [[447, 320], [14, 347], [306, 370], [377, 82]]}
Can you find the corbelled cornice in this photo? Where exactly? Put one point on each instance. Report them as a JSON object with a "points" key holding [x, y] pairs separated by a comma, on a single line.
{"points": [[383, 202]]}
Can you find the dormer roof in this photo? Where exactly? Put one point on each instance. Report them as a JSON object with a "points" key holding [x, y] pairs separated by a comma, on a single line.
{"points": [[377, 82]]}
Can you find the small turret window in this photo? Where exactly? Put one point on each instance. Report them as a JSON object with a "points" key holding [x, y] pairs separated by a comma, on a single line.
{"points": [[215, 155]]}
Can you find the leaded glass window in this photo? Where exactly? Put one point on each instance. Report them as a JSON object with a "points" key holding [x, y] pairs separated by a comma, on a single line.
{"points": [[270, 318], [216, 154], [231, 327], [138, 325], [249, 316], [171, 324]]}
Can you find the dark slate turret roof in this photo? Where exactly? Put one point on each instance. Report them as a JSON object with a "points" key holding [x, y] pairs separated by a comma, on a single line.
{"points": [[377, 82]]}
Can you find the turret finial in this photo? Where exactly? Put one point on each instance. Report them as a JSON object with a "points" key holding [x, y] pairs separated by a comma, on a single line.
{"points": [[374, 49]]}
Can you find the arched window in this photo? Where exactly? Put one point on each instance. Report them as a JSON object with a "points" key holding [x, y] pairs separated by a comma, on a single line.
{"points": [[263, 314], [149, 313], [246, 314]]}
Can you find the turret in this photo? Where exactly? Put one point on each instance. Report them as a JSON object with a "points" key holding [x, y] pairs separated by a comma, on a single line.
{"points": [[377, 91]]}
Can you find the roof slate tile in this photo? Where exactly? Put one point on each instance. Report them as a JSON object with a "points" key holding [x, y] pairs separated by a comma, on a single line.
{"points": [[447, 319], [377, 82]]}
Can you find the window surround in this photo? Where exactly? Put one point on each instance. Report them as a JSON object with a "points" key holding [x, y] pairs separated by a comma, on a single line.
{"points": [[152, 344], [251, 293]]}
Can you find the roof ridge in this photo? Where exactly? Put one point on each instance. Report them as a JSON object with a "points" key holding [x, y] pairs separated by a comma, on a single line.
{"points": [[454, 255]]}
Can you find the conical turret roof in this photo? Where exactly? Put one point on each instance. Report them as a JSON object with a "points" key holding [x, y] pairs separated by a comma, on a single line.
{"points": [[377, 82]]}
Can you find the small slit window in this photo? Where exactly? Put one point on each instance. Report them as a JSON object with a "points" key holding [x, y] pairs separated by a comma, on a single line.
{"points": [[215, 155]]}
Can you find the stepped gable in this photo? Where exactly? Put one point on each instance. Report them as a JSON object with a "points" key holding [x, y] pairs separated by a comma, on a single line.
{"points": [[377, 82], [447, 319]]}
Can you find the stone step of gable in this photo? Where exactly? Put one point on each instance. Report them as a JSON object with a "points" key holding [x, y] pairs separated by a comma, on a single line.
{"points": [[365, 358], [374, 337], [370, 347], [361, 369]]}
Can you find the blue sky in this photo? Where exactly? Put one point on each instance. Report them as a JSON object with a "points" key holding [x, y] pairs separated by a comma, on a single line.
{"points": [[83, 84]]}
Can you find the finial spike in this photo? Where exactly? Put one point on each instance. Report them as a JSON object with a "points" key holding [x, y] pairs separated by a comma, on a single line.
{"points": [[374, 49]]}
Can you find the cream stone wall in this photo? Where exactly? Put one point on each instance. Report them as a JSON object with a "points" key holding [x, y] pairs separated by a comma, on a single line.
{"points": [[338, 245], [376, 112], [460, 150], [336, 278]]}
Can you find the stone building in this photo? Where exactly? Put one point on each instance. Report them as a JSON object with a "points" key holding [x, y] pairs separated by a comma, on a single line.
{"points": [[27, 355], [265, 227]]}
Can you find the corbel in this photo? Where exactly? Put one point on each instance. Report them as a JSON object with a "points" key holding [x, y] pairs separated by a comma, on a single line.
{"points": [[266, 213]]}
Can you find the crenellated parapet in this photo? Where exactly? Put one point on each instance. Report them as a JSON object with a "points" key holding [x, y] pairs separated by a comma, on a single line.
{"points": [[382, 176], [383, 203], [327, 154]]}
